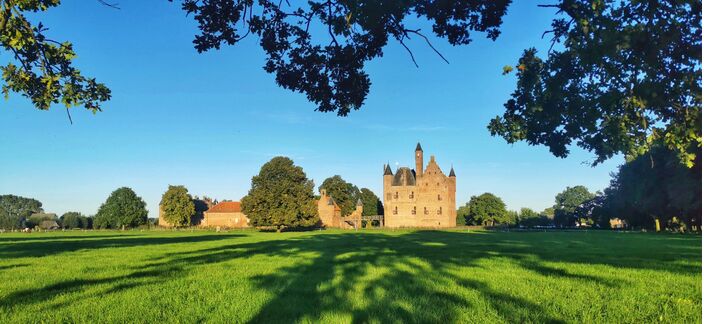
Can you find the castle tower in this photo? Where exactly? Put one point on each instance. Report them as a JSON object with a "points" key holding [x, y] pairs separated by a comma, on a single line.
{"points": [[419, 160], [451, 191], [359, 207], [388, 180]]}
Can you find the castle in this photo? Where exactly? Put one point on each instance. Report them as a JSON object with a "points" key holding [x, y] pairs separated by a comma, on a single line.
{"points": [[331, 215], [419, 198]]}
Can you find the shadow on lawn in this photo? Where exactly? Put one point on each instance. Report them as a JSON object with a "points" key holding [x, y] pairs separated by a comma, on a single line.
{"points": [[413, 280], [50, 245]]}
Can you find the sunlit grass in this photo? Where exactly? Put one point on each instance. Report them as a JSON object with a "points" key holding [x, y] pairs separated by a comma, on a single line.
{"points": [[345, 276]]}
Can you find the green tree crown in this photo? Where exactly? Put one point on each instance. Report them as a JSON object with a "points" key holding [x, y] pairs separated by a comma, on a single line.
{"points": [[177, 206], [123, 208], [344, 193], [281, 196]]}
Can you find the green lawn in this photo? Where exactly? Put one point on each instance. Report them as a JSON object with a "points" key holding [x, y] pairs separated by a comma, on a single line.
{"points": [[345, 276]]}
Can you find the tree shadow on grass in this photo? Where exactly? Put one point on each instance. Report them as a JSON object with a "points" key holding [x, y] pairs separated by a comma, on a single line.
{"points": [[374, 277], [50, 246], [55, 236]]}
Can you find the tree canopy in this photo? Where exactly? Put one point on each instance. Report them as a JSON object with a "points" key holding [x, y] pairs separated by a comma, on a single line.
{"points": [[344, 193], [628, 73], [71, 220], [486, 209], [15, 210], [372, 203], [42, 68], [319, 48], [624, 74], [530, 218], [123, 208], [281, 196], [655, 187], [177, 206], [568, 202]]}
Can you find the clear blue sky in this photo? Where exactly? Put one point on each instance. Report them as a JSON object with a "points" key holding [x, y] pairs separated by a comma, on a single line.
{"points": [[209, 121]]}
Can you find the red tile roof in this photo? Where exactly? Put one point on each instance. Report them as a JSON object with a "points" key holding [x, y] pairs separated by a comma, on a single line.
{"points": [[226, 207]]}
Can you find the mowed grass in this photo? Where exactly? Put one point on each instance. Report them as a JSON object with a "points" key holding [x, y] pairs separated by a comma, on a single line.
{"points": [[344, 276]]}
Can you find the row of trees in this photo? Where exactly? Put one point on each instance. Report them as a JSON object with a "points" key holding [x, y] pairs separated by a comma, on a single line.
{"points": [[281, 196], [21, 212], [489, 210], [650, 191]]}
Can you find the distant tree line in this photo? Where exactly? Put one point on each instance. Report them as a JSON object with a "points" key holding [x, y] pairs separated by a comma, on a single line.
{"points": [[652, 191], [122, 209]]}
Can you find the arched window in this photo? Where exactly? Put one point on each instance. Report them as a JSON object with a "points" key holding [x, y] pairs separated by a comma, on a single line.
{"points": [[395, 210], [440, 211], [439, 198], [396, 195], [425, 211], [411, 195], [414, 210]]}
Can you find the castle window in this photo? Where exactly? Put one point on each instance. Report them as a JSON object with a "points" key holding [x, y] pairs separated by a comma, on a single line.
{"points": [[440, 211], [396, 195], [413, 212], [438, 183], [425, 210], [395, 210], [439, 198], [411, 195]]}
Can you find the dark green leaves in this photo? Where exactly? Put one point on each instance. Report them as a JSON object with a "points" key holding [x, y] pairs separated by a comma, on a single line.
{"points": [[123, 208], [629, 75], [344, 193], [177, 206], [281, 196], [41, 69], [320, 48]]}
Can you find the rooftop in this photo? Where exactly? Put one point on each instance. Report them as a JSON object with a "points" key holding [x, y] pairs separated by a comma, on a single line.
{"points": [[226, 207]]}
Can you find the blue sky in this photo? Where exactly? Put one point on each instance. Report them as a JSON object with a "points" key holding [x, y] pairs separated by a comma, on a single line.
{"points": [[209, 121]]}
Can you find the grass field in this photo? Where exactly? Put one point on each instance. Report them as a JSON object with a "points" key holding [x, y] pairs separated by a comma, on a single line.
{"points": [[345, 276]]}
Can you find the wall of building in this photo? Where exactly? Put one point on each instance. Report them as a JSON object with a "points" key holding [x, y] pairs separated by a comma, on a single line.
{"points": [[428, 203], [230, 220], [328, 212]]}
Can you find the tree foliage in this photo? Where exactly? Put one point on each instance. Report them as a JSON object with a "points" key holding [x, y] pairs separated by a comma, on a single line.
{"points": [[344, 193], [15, 210], [568, 203], [319, 48], [123, 208], [656, 187], [530, 218], [629, 74], [487, 210], [177, 206], [71, 220], [41, 68], [372, 203], [281, 196]]}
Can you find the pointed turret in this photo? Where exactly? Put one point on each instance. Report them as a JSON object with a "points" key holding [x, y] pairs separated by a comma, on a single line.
{"points": [[452, 172], [419, 160], [359, 202], [387, 170]]}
